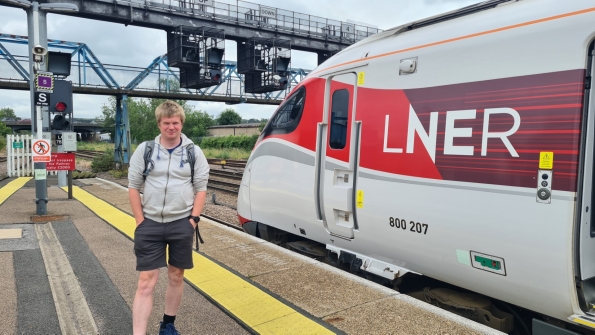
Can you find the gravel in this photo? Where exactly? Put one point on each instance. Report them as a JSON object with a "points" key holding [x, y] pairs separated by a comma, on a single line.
{"points": [[3, 167]]}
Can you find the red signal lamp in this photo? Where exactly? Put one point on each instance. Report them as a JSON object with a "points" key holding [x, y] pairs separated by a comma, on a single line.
{"points": [[60, 106]]}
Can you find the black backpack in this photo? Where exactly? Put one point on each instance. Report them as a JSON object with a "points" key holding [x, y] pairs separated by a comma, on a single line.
{"points": [[191, 159]]}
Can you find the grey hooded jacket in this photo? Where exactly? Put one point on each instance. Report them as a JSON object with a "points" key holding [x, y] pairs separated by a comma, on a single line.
{"points": [[169, 193]]}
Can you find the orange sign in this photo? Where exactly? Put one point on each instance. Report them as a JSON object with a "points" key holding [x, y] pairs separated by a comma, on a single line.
{"points": [[41, 151]]}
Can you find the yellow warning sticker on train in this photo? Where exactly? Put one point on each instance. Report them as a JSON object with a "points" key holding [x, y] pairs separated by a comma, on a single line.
{"points": [[546, 160], [361, 78], [359, 200]]}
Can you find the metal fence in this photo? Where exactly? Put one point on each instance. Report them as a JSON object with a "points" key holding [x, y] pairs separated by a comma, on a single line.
{"points": [[18, 155]]}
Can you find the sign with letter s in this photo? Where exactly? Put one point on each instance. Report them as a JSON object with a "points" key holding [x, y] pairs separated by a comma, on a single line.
{"points": [[42, 99]]}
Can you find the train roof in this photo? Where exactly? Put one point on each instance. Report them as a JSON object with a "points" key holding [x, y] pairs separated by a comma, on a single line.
{"points": [[471, 9]]}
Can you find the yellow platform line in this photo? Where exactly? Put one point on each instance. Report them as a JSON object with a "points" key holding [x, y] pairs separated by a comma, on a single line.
{"points": [[246, 302], [13, 186]]}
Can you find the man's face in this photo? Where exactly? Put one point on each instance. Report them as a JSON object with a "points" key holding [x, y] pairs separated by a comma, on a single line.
{"points": [[170, 127]]}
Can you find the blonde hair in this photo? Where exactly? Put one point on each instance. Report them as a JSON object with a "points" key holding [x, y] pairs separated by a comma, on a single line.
{"points": [[169, 109]]}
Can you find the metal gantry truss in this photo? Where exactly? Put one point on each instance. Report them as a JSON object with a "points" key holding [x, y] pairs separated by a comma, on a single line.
{"points": [[102, 81], [86, 59]]}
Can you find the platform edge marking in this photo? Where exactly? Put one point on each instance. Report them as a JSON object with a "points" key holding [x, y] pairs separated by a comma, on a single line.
{"points": [[9, 189]]}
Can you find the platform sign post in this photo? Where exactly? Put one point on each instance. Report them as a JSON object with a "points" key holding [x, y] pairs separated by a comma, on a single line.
{"points": [[40, 81], [63, 161]]}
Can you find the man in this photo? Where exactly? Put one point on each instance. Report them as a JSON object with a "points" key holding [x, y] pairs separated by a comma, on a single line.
{"points": [[166, 216]]}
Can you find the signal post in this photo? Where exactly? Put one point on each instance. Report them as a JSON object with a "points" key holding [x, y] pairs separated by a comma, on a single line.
{"points": [[40, 83]]}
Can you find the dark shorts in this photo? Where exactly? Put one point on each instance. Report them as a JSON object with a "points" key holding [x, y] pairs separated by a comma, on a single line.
{"points": [[151, 239]]}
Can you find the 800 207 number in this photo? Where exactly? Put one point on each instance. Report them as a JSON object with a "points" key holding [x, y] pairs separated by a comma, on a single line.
{"points": [[415, 227]]}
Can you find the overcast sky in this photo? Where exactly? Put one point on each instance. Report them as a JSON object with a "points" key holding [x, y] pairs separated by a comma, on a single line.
{"points": [[135, 46]]}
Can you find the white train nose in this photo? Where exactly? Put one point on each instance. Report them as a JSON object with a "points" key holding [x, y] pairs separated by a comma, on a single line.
{"points": [[244, 212]]}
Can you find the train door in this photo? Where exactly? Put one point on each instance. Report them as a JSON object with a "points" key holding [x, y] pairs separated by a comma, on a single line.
{"points": [[337, 157], [587, 223]]}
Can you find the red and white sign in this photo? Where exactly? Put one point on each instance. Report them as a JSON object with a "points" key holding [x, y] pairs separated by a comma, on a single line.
{"points": [[42, 151], [61, 162]]}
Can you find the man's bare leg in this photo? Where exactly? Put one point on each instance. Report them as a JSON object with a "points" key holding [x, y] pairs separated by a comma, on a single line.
{"points": [[175, 289], [143, 301]]}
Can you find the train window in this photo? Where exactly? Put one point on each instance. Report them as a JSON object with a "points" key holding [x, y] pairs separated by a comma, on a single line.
{"points": [[288, 116], [339, 115]]}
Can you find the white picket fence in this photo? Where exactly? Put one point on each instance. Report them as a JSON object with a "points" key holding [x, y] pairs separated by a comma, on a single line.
{"points": [[18, 160]]}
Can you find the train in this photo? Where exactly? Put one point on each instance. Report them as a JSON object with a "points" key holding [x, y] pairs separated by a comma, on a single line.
{"points": [[458, 148]]}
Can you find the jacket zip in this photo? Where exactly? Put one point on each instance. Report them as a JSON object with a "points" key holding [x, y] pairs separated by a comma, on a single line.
{"points": [[166, 183]]}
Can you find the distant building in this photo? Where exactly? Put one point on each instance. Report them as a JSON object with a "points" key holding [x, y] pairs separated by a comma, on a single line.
{"points": [[105, 137], [235, 129]]}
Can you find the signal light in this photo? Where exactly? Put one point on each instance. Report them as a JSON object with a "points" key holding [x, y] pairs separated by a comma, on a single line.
{"points": [[214, 75], [60, 122], [61, 98], [60, 107], [214, 56]]}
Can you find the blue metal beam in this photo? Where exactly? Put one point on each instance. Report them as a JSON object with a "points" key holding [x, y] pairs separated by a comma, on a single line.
{"points": [[80, 49], [15, 63], [99, 68]]}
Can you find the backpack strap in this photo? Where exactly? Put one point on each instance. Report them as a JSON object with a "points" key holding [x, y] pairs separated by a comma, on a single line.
{"points": [[191, 160], [147, 157]]}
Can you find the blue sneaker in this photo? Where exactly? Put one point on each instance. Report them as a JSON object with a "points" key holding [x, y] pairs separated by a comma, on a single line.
{"points": [[169, 329]]}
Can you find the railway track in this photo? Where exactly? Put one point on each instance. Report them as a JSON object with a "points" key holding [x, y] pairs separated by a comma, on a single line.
{"points": [[214, 161], [89, 153], [227, 163], [226, 174], [214, 184], [224, 186]]}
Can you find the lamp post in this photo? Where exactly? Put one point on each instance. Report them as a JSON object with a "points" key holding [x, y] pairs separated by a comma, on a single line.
{"points": [[37, 27]]}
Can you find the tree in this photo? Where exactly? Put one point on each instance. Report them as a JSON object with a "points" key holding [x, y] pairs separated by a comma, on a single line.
{"points": [[229, 116], [141, 113], [8, 113], [4, 130], [109, 116], [197, 123], [263, 123]]}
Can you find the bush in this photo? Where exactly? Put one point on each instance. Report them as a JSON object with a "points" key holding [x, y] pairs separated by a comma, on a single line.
{"points": [[81, 175], [119, 173], [229, 142], [2, 143], [226, 153], [103, 163]]}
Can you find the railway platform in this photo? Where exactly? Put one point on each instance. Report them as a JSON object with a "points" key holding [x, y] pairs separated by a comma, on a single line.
{"points": [[72, 272]]}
